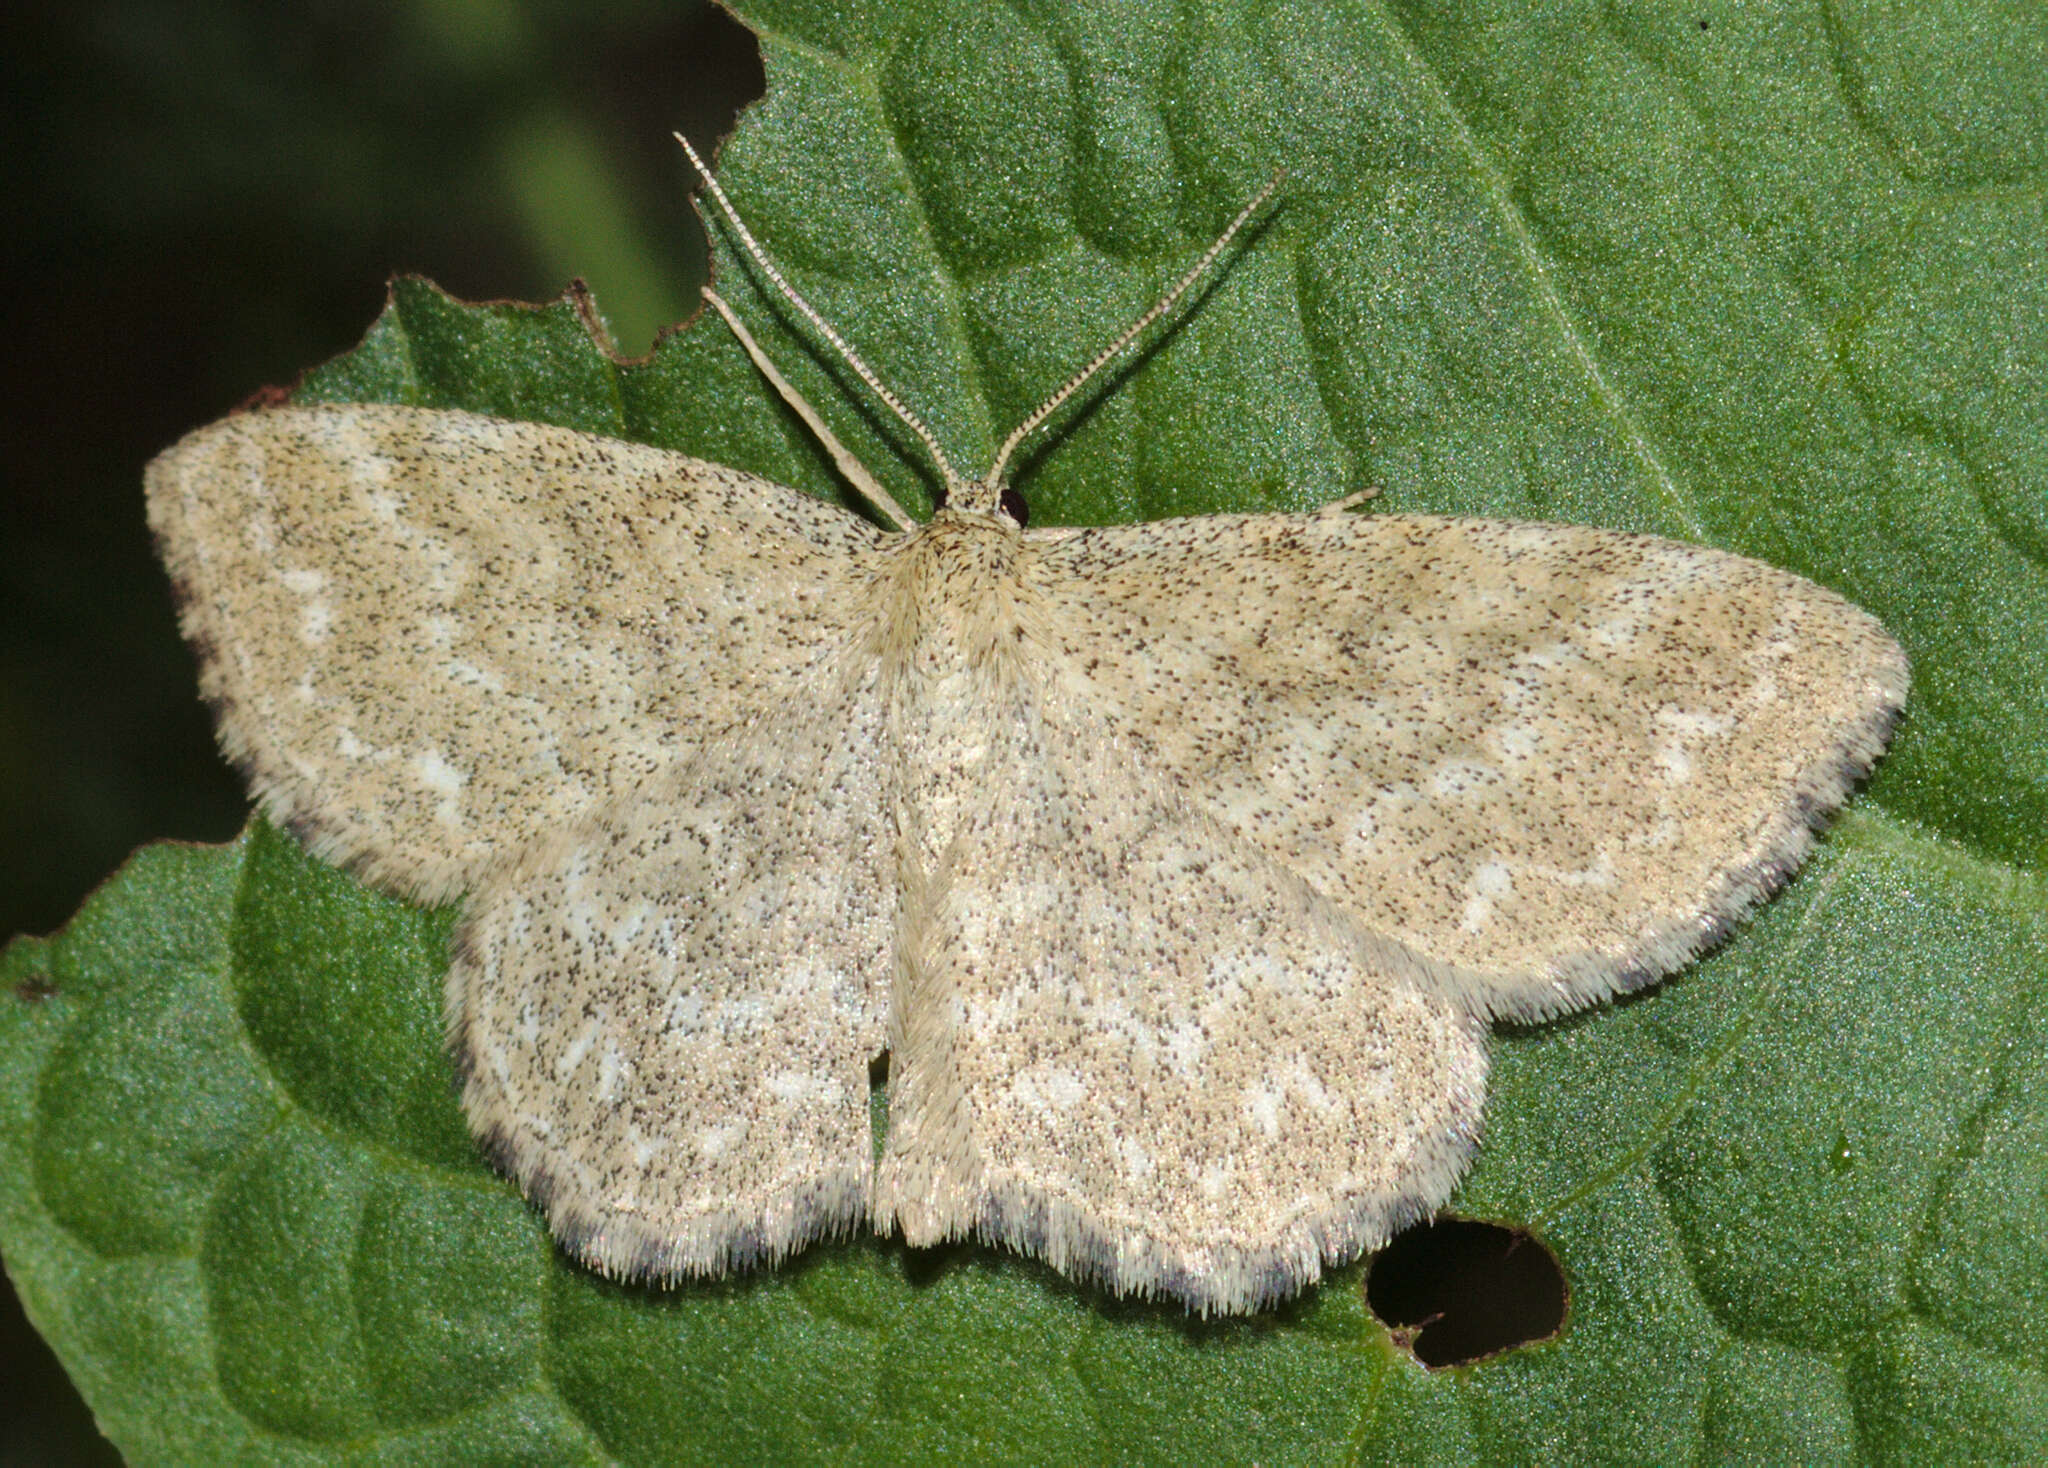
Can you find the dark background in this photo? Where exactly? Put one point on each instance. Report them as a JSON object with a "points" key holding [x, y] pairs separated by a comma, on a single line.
{"points": [[206, 197]]}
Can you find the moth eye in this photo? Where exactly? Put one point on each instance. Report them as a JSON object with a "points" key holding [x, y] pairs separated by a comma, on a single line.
{"points": [[1014, 506]]}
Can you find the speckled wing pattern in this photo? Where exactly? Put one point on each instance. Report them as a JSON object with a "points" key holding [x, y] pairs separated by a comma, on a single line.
{"points": [[432, 637], [666, 1016], [1552, 761], [1178, 866], [1137, 1045]]}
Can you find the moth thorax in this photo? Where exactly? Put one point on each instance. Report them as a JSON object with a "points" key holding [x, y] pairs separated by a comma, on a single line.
{"points": [[964, 602]]}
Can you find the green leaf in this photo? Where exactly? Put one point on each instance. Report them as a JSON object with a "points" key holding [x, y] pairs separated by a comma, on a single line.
{"points": [[1755, 277]]}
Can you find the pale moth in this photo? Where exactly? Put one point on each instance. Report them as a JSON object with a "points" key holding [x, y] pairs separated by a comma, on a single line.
{"points": [[1177, 867]]}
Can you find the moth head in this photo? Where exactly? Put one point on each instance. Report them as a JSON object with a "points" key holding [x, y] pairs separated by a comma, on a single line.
{"points": [[1010, 506]]}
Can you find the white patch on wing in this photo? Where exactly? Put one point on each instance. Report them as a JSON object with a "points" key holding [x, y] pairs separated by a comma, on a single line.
{"points": [[1680, 729], [444, 781], [1489, 881]]}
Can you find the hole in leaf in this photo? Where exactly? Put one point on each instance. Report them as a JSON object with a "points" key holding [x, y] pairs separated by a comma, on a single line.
{"points": [[1456, 1291]]}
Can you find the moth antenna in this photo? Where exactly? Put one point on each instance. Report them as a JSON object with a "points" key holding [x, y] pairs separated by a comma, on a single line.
{"points": [[1130, 333], [855, 471], [852, 358]]}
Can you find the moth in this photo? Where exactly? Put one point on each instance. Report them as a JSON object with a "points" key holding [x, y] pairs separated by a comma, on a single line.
{"points": [[1178, 868]]}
